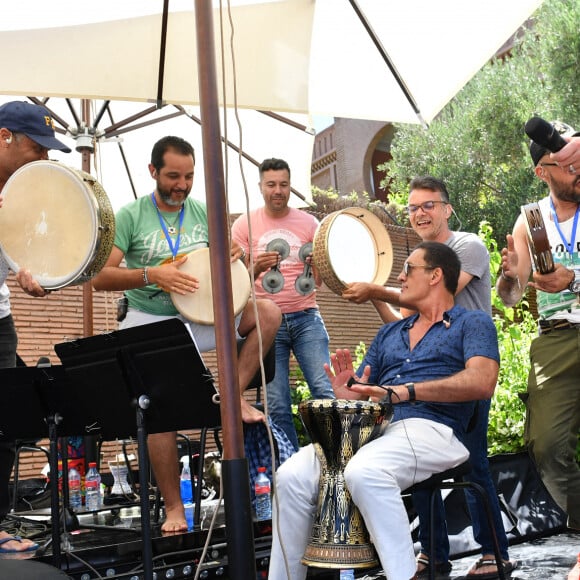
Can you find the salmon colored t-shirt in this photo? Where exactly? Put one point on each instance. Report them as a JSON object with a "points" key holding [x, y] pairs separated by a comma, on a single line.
{"points": [[297, 228]]}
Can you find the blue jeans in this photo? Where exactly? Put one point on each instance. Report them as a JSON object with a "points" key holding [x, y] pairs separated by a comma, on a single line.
{"points": [[476, 443], [8, 342], [304, 334]]}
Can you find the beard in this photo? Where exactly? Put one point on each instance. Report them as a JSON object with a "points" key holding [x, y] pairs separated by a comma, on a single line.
{"points": [[566, 191], [165, 195]]}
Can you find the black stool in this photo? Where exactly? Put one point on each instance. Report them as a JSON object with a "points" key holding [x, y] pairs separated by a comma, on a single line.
{"points": [[453, 479]]}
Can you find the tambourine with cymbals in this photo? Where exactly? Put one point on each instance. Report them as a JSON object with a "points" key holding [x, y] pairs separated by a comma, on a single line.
{"points": [[538, 238]]}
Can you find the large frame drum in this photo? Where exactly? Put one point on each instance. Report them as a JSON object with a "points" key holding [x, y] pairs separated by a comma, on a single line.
{"points": [[338, 428], [352, 245], [57, 222], [198, 306]]}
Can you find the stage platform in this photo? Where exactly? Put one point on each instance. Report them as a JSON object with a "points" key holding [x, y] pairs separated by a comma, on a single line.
{"points": [[104, 553]]}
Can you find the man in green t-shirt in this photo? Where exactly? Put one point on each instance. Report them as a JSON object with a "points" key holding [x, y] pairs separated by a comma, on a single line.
{"points": [[153, 235]]}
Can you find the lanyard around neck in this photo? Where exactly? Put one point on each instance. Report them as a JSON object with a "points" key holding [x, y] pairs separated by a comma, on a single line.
{"points": [[173, 247], [568, 245]]}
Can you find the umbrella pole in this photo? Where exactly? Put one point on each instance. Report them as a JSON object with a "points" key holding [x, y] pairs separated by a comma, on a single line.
{"points": [[235, 473]]}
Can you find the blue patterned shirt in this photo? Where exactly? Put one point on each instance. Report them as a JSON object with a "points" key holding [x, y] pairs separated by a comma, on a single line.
{"points": [[442, 352]]}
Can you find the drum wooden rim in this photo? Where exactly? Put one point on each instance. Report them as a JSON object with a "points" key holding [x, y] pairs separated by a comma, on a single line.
{"points": [[381, 242], [57, 222], [538, 242], [198, 306]]}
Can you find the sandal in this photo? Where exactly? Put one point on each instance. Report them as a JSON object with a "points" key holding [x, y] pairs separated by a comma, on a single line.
{"points": [[508, 567], [442, 569]]}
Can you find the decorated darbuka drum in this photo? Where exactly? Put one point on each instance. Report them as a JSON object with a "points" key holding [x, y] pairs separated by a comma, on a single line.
{"points": [[338, 429], [56, 222], [352, 245], [198, 307], [538, 238]]}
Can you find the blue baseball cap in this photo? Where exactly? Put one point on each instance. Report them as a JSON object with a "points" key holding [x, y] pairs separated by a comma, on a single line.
{"points": [[34, 121]]}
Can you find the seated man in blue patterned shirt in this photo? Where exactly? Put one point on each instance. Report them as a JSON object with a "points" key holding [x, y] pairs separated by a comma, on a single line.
{"points": [[437, 362]]}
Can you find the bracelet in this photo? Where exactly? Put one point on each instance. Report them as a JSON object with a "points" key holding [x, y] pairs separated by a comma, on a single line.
{"points": [[515, 280], [243, 256], [412, 394], [145, 277]]}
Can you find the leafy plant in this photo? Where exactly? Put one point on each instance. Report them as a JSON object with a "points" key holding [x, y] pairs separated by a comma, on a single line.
{"points": [[477, 144]]}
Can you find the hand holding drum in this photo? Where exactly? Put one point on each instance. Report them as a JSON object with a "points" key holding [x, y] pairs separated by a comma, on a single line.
{"points": [[198, 306]]}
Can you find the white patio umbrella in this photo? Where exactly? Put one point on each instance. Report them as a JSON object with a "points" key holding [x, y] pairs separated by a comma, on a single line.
{"points": [[305, 56]]}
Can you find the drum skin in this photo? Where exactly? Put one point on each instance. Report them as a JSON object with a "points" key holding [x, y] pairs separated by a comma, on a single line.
{"points": [[338, 428], [198, 306], [57, 222], [352, 245]]}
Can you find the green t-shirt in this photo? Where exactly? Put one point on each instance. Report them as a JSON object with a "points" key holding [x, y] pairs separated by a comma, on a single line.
{"points": [[140, 236]]}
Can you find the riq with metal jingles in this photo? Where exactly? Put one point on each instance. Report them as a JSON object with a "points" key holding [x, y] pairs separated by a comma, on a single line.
{"points": [[57, 222], [338, 428], [538, 238]]}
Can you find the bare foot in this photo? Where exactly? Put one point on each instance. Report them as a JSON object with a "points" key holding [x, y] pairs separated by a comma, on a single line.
{"points": [[16, 544], [251, 414], [174, 520]]}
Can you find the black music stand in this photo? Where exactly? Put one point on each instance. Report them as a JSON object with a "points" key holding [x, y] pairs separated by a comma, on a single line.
{"points": [[49, 406], [138, 381]]}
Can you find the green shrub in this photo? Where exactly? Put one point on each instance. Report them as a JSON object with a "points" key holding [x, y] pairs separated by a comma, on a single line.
{"points": [[516, 328]]}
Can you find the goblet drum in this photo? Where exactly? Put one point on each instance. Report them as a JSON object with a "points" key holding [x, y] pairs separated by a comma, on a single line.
{"points": [[338, 428]]}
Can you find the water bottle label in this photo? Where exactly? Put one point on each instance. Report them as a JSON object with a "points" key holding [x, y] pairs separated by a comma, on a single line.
{"points": [[186, 490]]}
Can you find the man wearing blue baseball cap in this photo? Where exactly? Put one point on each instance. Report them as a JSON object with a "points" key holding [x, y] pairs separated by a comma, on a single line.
{"points": [[26, 134]]}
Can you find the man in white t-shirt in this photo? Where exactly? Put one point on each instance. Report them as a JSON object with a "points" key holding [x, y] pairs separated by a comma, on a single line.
{"points": [[281, 246]]}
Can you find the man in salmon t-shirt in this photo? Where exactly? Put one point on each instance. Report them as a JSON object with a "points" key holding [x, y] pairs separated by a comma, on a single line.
{"points": [[282, 247]]}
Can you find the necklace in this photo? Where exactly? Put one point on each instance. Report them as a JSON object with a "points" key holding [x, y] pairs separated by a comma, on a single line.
{"points": [[174, 247], [171, 226]]}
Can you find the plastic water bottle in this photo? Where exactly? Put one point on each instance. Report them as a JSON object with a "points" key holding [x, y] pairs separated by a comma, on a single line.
{"points": [[185, 481], [263, 499], [347, 574], [189, 515], [75, 498], [93, 488]]}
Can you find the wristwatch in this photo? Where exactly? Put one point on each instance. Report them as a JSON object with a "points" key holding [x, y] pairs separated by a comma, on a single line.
{"points": [[575, 284]]}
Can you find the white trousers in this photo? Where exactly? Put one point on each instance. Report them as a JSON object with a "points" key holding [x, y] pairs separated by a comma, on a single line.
{"points": [[408, 451], [203, 335]]}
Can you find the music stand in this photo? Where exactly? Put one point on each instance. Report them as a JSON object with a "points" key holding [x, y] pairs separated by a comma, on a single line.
{"points": [[50, 408], [142, 380]]}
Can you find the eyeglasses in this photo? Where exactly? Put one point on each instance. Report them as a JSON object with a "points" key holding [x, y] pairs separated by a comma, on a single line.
{"points": [[425, 206], [407, 267], [570, 169]]}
